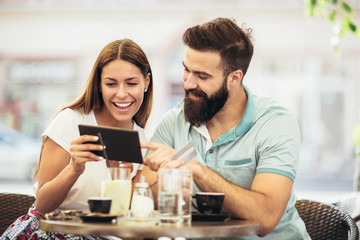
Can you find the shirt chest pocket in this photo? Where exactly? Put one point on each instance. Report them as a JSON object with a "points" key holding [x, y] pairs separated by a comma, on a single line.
{"points": [[240, 171], [237, 162]]}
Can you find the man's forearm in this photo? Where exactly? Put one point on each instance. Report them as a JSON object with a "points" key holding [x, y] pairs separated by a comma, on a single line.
{"points": [[264, 205]]}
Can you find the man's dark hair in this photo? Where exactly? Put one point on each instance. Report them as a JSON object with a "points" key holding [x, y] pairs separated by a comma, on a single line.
{"points": [[223, 35]]}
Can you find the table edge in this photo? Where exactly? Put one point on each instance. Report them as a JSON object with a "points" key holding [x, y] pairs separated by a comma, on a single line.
{"points": [[209, 230]]}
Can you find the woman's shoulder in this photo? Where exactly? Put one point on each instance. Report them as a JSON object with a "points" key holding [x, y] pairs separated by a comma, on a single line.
{"points": [[70, 119], [75, 116], [70, 113], [64, 126]]}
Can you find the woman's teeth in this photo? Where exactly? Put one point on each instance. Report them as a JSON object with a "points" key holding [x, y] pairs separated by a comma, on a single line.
{"points": [[123, 105]]}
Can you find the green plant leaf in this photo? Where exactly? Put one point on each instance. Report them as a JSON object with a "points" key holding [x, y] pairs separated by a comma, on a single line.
{"points": [[354, 29], [313, 2], [310, 7], [332, 16], [344, 28], [348, 25], [346, 8], [352, 26], [333, 10]]}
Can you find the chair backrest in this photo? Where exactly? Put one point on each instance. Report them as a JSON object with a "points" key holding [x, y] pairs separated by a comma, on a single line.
{"points": [[12, 206], [324, 222], [350, 203]]}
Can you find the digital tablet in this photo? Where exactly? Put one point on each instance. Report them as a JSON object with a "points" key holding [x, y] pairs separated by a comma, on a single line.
{"points": [[121, 144]]}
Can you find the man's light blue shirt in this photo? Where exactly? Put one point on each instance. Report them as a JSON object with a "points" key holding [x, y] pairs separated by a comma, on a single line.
{"points": [[267, 140]]}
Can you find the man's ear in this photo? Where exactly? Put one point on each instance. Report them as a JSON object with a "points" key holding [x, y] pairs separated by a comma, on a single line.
{"points": [[235, 77]]}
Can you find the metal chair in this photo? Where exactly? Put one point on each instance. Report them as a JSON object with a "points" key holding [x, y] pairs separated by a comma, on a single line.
{"points": [[13, 206], [326, 222]]}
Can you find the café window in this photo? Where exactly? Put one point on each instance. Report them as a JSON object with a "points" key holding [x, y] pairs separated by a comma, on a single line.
{"points": [[37, 72], [32, 91]]}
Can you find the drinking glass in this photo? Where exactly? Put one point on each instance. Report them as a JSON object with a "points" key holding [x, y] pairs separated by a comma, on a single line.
{"points": [[117, 186], [169, 196], [186, 202]]}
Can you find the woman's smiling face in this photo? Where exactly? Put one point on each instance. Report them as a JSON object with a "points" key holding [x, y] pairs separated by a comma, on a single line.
{"points": [[122, 88]]}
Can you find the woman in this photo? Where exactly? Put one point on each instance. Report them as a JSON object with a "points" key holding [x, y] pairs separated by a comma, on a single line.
{"points": [[118, 93]]}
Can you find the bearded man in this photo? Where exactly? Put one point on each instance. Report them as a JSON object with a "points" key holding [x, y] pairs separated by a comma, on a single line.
{"points": [[247, 146]]}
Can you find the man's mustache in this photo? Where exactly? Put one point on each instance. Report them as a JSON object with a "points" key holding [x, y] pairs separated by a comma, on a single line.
{"points": [[196, 92]]}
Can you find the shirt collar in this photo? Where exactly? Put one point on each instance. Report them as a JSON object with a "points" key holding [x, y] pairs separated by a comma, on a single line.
{"points": [[244, 126], [249, 115]]}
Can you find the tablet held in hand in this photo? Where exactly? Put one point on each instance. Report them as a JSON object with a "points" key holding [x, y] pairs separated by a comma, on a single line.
{"points": [[121, 144]]}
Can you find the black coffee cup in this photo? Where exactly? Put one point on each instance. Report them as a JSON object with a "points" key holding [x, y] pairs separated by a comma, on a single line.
{"points": [[99, 204], [209, 202]]}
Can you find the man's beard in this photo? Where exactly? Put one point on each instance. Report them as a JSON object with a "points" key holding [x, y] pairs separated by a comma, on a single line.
{"points": [[201, 110]]}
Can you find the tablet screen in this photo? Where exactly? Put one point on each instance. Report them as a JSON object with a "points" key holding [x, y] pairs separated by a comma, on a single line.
{"points": [[121, 144]]}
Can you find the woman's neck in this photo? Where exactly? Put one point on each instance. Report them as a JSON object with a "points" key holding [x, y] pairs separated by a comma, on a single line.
{"points": [[104, 119]]}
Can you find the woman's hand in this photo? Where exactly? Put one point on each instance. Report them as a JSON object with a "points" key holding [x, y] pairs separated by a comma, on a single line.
{"points": [[59, 170], [80, 152], [160, 156]]}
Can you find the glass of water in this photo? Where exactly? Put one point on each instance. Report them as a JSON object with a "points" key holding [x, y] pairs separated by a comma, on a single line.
{"points": [[170, 196], [186, 201]]}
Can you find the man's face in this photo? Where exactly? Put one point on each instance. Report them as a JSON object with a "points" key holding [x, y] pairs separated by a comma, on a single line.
{"points": [[205, 86]]}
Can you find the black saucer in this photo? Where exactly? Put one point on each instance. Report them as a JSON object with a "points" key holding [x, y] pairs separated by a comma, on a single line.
{"points": [[97, 218]]}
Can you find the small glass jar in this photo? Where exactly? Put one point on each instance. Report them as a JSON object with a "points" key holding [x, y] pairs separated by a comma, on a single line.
{"points": [[142, 203]]}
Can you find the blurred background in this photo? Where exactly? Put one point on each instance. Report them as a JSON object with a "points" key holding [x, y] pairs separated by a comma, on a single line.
{"points": [[48, 47]]}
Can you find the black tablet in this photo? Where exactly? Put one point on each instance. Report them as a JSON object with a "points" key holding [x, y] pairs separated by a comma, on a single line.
{"points": [[121, 144]]}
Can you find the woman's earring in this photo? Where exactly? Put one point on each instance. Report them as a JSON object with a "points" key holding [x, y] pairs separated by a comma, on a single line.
{"points": [[145, 90]]}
